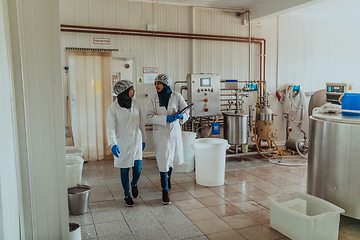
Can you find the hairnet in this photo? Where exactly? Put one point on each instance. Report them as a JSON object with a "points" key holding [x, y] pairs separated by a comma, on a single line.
{"points": [[121, 86], [163, 78]]}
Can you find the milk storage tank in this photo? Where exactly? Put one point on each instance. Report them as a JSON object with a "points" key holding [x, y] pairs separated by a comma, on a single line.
{"points": [[334, 161]]}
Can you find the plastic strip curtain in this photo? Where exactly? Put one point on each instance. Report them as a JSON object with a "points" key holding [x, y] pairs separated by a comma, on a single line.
{"points": [[90, 97]]}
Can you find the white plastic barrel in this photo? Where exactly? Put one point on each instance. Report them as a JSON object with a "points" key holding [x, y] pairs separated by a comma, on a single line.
{"points": [[75, 150], [210, 154], [74, 166], [188, 139]]}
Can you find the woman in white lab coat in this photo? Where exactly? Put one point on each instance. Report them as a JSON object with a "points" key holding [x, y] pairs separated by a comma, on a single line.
{"points": [[162, 112], [125, 129]]}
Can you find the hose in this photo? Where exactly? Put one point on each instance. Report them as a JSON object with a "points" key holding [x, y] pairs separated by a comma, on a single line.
{"points": [[296, 143], [291, 107]]}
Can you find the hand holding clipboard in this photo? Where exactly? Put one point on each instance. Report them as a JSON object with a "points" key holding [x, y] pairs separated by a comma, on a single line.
{"points": [[185, 108]]}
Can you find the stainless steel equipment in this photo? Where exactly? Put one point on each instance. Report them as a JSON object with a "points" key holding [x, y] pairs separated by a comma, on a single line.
{"points": [[235, 128], [264, 128], [265, 114], [334, 164], [204, 91]]}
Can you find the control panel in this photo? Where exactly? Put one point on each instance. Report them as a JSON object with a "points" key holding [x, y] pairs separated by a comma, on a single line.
{"points": [[335, 90], [204, 91]]}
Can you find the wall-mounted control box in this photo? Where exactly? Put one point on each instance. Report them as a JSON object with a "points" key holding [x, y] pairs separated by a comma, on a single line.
{"points": [[204, 91]]}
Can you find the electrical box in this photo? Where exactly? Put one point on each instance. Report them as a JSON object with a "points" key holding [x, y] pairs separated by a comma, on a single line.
{"points": [[231, 84], [204, 91], [335, 90]]}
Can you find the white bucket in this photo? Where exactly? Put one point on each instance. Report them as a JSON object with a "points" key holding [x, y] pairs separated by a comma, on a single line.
{"points": [[188, 139], [75, 150], [74, 166], [75, 231], [210, 154]]}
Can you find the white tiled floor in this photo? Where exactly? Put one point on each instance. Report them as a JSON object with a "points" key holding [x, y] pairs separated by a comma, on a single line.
{"points": [[237, 210]]}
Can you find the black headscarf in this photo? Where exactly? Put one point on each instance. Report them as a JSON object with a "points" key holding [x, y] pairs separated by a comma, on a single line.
{"points": [[164, 96], [124, 100]]}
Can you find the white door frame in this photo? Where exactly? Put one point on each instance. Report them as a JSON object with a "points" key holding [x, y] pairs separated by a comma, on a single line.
{"points": [[10, 187], [38, 129]]}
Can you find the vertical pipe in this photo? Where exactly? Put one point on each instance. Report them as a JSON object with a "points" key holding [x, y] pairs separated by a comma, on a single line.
{"points": [[277, 53], [237, 102], [260, 83], [193, 40], [249, 77], [250, 118], [264, 67]]}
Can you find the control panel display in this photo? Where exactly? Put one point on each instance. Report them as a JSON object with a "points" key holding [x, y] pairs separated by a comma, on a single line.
{"points": [[205, 82], [337, 89], [204, 91]]}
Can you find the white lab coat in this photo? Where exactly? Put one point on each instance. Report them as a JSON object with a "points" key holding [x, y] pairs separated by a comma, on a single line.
{"points": [[126, 128], [167, 136]]}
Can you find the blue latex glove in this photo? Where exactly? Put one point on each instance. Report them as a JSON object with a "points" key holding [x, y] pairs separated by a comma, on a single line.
{"points": [[143, 146], [178, 115], [115, 150], [170, 118]]}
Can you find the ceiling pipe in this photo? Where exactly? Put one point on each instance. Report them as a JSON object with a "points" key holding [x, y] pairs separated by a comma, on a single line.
{"points": [[65, 26], [145, 33]]}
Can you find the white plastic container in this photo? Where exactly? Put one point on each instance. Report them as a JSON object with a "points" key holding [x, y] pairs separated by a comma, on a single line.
{"points": [[74, 166], [75, 150], [75, 231], [302, 216], [188, 139], [210, 154]]}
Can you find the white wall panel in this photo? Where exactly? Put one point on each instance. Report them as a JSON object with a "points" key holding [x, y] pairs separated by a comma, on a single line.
{"points": [[311, 51]]}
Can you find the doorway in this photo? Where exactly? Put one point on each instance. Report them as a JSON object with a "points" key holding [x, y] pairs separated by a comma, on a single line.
{"points": [[89, 94]]}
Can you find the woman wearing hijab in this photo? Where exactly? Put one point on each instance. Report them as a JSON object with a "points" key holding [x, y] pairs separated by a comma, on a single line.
{"points": [[125, 129], [162, 112]]}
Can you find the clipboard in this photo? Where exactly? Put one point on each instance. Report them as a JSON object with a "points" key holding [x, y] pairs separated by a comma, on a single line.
{"points": [[186, 108]]}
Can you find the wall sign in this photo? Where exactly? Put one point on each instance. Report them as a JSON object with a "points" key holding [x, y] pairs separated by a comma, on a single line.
{"points": [[150, 70], [149, 74], [101, 41]]}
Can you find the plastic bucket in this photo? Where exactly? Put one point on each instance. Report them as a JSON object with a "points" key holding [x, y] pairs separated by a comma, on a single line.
{"points": [[74, 231], [77, 150], [350, 101], [78, 199], [74, 166], [188, 139], [210, 154]]}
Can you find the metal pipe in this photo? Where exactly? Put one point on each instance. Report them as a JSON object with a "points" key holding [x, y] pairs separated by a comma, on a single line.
{"points": [[249, 45], [182, 88], [251, 115], [228, 94], [191, 36], [157, 32], [248, 153], [237, 103]]}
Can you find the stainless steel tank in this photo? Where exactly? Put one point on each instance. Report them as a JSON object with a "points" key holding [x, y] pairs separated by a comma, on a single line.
{"points": [[235, 128], [334, 161], [265, 114]]}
